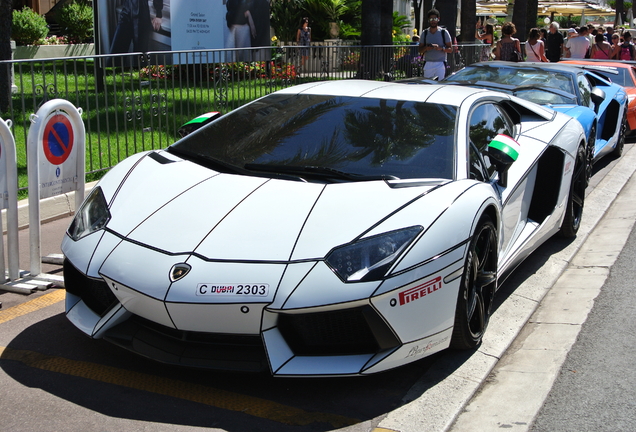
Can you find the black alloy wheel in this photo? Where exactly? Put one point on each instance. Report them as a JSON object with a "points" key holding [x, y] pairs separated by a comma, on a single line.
{"points": [[477, 288], [576, 198], [620, 145], [591, 147]]}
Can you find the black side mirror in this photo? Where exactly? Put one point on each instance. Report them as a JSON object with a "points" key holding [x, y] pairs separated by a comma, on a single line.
{"points": [[197, 123], [503, 151]]}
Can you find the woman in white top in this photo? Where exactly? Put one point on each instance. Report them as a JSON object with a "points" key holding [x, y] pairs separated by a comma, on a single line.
{"points": [[535, 50]]}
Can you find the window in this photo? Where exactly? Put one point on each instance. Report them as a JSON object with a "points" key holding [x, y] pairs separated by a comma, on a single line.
{"points": [[586, 91], [486, 122]]}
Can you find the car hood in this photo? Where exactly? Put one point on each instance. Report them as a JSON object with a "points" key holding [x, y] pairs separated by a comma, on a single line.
{"points": [[179, 207]]}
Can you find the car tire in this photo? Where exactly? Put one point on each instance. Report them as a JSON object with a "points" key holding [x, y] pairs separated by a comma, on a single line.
{"points": [[591, 147], [477, 287], [576, 198], [620, 145]]}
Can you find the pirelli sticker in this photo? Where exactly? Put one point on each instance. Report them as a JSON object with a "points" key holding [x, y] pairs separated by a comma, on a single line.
{"points": [[419, 291]]}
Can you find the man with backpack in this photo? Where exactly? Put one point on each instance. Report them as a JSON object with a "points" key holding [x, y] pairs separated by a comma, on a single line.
{"points": [[435, 42], [625, 49]]}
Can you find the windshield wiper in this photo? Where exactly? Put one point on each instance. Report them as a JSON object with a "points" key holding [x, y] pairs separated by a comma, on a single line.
{"points": [[317, 171]]}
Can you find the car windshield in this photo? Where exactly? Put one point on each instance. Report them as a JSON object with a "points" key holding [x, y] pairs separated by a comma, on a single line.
{"points": [[520, 77], [623, 78], [329, 136]]}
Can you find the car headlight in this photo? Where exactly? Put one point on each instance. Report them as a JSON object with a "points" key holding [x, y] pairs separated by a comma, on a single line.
{"points": [[92, 216], [370, 258]]}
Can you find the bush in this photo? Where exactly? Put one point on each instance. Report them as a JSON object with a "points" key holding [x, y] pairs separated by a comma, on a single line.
{"points": [[76, 22], [28, 27]]}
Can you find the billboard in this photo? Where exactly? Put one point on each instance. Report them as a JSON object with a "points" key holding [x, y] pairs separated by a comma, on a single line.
{"points": [[176, 25]]}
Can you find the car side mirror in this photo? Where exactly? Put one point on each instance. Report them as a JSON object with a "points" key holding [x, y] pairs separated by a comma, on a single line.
{"points": [[598, 96], [503, 151], [197, 123]]}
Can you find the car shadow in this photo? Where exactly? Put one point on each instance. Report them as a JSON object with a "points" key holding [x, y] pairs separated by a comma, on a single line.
{"points": [[53, 356]]}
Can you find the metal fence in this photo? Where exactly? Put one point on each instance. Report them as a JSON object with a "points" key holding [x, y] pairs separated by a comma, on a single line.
{"points": [[136, 102]]}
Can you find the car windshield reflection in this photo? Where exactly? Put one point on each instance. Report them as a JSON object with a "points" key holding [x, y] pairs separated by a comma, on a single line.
{"points": [[316, 136]]}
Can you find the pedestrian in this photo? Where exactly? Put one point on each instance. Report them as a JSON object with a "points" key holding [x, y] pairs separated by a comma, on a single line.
{"points": [[435, 43], [578, 44], [303, 38], [601, 50], [554, 43], [625, 49], [535, 49], [508, 48], [614, 41], [487, 38]]}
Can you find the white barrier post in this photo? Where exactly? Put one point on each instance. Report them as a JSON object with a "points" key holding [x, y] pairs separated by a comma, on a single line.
{"points": [[10, 183], [56, 157]]}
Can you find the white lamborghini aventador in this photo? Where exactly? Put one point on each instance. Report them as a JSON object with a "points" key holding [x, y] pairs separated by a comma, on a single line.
{"points": [[333, 228]]}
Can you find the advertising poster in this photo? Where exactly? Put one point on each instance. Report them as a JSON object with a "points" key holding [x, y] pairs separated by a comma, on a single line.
{"points": [[183, 25]]}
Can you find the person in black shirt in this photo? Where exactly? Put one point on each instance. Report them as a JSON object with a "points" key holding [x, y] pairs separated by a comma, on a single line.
{"points": [[554, 43]]}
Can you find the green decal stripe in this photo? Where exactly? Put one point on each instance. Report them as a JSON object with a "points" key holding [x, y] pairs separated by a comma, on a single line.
{"points": [[514, 154]]}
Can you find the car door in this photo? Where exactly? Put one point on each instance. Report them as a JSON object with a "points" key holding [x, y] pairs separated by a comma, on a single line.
{"points": [[486, 121]]}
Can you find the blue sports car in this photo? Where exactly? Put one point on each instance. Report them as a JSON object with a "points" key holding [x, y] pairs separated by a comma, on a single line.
{"points": [[589, 96]]}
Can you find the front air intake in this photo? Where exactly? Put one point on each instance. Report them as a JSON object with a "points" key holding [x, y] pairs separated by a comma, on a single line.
{"points": [[342, 332], [95, 292]]}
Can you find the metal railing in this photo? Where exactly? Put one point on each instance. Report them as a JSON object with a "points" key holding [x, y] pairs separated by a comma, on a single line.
{"points": [[136, 102]]}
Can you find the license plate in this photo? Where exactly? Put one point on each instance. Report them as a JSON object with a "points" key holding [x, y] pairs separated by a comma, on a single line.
{"points": [[233, 290]]}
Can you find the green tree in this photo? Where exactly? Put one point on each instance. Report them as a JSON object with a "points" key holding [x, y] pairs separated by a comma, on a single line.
{"points": [[285, 17]]}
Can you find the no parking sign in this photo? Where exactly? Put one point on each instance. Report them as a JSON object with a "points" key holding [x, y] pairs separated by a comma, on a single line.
{"points": [[56, 162], [57, 135]]}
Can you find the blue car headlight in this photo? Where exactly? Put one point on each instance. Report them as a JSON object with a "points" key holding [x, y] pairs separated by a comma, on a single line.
{"points": [[92, 216], [370, 258]]}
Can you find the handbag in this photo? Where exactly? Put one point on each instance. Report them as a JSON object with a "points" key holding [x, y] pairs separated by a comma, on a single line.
{"points": [[534, 52], [516, 56]]}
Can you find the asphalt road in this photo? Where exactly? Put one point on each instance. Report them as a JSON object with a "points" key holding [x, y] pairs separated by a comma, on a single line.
{"points": [[596, 387], [53, 378]]}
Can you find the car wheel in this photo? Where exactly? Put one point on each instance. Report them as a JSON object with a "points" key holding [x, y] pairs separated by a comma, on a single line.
{"points": [[477, 288], [576, 198], [618, 150], [591, 146]]}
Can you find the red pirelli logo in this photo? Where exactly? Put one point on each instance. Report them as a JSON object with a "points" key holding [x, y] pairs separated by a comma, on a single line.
{"points": [[419, 291]]}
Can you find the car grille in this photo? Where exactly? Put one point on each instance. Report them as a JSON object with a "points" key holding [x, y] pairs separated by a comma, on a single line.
{"points": [[95, 292], [244, 353], [343, 332]]}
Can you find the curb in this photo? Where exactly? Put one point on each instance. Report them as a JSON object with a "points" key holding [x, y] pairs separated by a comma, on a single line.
{"points": [[51, 208]]}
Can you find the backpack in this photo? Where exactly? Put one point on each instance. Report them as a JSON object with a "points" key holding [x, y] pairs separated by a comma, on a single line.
{"points": [[443, 35], [626, 51]]}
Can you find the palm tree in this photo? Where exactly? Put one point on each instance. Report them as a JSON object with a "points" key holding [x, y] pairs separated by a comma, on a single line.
{"points": [[620, 8], [6, 17], [468, 20], [519, 18]]}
